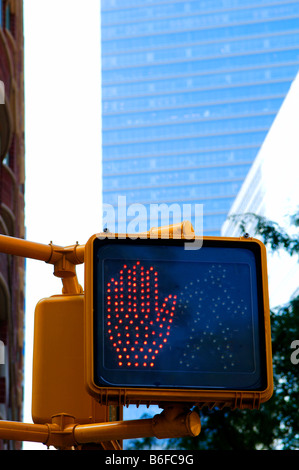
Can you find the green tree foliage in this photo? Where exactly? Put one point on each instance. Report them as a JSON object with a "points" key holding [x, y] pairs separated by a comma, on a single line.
{"points": [[275, 424], [271, 233]]}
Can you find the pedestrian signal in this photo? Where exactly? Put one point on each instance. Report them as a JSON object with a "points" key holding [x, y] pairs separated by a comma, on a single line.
{"points": [[168, 324]]}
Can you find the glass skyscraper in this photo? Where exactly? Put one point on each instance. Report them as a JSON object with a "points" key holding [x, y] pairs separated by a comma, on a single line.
{"points": [[189, 92]]}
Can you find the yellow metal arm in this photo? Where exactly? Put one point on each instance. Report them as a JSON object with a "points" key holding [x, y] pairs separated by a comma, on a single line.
{"points": [[24, 432], [64, 259], [20, 247], [63, 433]]}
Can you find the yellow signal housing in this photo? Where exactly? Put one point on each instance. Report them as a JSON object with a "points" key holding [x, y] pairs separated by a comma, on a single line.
{"points": [[209, 307], [58, 384]]}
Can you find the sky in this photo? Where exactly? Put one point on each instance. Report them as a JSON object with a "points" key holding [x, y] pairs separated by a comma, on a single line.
{"points": [[62, 141]]}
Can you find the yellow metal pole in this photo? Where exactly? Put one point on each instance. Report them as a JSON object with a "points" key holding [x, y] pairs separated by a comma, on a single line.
{"points": [[88, 433], [64, 259], [175, 421], [24, 431], [49, 253], [27, 249], [172, 422]]}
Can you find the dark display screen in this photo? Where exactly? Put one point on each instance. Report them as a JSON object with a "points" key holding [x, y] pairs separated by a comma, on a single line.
{"points": [[169, 317]]}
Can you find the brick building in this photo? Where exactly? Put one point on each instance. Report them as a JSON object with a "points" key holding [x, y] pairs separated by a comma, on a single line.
{"points": [[12, 177]]}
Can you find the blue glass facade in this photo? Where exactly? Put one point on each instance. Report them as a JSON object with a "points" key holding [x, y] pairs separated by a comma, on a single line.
{"points": [[189, 92]]}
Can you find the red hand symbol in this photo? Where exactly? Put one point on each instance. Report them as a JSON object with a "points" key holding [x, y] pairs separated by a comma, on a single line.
{"points": [[138, 325]]}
